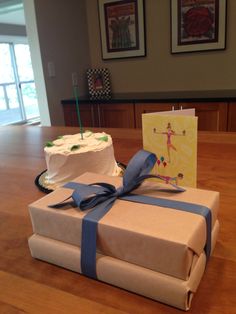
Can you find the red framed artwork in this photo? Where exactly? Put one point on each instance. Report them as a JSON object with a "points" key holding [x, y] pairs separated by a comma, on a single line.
{"points": [[122, 28], [198, 25]]}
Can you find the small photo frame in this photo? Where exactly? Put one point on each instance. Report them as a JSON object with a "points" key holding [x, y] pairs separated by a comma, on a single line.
{"points": [[198, 25], [122, 28], [99, 83]]}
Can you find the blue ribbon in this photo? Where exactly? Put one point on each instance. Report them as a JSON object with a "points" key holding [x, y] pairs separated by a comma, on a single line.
{"points": [[100, 197]]}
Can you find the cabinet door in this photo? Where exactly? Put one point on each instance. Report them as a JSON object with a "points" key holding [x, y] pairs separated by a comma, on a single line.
{"points": [[232, 117], [212, 116], [116, 115], [86, 114], [141, 108]]}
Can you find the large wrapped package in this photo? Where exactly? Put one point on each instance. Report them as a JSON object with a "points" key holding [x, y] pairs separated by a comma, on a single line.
{"points": [[148, 229], [157, 286], [158, 238]]}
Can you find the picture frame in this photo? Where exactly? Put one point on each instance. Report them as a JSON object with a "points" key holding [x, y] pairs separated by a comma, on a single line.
{"points": [[122, 28], [198, 25], [99, 85]]}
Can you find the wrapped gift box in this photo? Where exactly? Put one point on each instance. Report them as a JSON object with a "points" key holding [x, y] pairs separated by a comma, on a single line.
{"points": [[149, 283], [155, 238]]}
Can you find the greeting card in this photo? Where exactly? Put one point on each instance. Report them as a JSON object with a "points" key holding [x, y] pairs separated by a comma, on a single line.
{"points": [[172, 136]]}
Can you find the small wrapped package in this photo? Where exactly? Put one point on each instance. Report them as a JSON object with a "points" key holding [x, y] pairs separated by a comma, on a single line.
{"points": [[148, 229]]}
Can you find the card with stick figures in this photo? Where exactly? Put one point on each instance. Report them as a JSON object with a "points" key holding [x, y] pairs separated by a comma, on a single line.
{"points": [[172, 137]]}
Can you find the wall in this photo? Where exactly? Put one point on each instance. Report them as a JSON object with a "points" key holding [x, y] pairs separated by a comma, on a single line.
{"points": [[160, 70], [63, 39], [68, 33]]}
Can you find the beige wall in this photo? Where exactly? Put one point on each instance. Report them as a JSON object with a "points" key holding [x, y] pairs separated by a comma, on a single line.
{"points": [[160, 70], [63, 38], [68, 33]]}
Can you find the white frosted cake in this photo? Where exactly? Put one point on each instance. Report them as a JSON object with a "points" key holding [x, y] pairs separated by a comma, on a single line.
{"points": [[69, 156]]}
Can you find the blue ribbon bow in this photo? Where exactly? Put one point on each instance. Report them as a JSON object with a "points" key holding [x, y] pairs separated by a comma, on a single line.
{"points": [[100, 197]]}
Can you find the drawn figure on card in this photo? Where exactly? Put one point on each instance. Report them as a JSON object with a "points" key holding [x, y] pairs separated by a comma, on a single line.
{"points": [[169, 133], [172, 180]]}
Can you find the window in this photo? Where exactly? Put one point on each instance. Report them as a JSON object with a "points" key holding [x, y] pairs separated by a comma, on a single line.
{"points": [[18, 99]]}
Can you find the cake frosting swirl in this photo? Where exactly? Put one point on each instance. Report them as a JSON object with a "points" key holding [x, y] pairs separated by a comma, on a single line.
{"points": [[69, 156]]}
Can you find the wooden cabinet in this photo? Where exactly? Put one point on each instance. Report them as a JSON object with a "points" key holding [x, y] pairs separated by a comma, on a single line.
{"points": [[212, 116], [232, 117], [116, 115], [87, 114], [100, 115], [141, 108]]}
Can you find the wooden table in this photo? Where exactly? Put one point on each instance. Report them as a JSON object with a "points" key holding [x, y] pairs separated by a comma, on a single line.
{"points": [[31, 286]]}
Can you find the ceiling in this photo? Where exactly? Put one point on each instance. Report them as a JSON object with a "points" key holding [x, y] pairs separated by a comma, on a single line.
{"points": [[12, 12]]}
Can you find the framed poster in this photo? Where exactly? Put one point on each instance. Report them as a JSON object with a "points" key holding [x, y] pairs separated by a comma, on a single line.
{"points": [[122, 28], [198, 25], [99, 83]]}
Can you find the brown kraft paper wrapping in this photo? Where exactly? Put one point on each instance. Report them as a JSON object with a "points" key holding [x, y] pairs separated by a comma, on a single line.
{"points": [[143, 281], [161, 239]]}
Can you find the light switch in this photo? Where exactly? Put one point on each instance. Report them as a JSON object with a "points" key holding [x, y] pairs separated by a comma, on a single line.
{"points": [[51, 69]]}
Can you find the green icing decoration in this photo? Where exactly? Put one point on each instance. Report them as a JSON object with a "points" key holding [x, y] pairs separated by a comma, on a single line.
{"points": [[49, 144], [103, 138], [74, 147]]}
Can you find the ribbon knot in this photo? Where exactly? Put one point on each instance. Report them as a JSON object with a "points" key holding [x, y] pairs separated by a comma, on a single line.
{"points": [[120, 191], [100, 197], [88, 196]]}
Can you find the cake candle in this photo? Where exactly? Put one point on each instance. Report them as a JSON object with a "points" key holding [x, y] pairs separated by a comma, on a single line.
{"points": [[76, 95]]}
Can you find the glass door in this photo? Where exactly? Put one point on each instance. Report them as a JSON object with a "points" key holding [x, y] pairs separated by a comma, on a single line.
{"points": [[26, 81], [18, 100]]}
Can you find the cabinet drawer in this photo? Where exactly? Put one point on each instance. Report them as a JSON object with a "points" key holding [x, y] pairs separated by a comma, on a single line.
{"points": [[232, 117], [86, 113], [141, 108], [116, 115], [212, 116]]}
